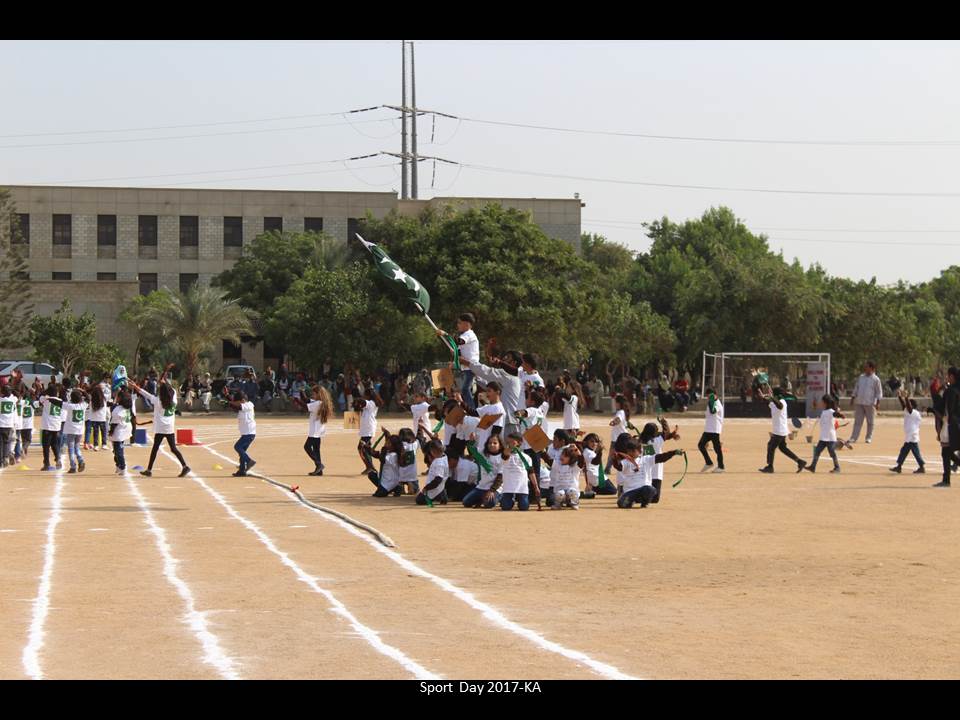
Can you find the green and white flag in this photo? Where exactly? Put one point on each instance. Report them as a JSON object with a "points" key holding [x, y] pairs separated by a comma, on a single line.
{"points": [[414, 291]]}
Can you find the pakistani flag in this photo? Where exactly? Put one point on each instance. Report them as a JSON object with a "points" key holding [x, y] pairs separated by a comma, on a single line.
{"points": [[390, 270]]}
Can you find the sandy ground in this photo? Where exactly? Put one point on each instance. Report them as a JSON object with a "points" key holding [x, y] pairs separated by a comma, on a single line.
{"points": [[740, 575]]}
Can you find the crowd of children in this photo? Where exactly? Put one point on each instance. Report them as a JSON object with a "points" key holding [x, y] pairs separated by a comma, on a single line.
{"points": [[489, 449]]}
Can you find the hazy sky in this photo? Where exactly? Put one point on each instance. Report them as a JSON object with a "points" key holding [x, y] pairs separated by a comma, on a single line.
{"points": [[853, 92]]}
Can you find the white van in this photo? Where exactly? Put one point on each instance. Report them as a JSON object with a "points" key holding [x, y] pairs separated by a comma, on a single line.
{"points": [[30, 370]]}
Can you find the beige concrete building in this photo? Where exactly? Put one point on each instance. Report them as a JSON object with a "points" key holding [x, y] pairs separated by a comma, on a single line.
{"points": [[151, 238]]}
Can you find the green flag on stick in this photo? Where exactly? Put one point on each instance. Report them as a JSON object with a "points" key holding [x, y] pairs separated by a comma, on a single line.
{"points": [[414, 291]]}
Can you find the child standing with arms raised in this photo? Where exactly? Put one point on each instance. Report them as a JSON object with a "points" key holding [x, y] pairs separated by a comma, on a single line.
{"points": [[911, 433]]}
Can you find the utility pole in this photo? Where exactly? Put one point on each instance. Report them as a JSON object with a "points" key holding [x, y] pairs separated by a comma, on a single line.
{"points": [[413, 102], [403, 120]]}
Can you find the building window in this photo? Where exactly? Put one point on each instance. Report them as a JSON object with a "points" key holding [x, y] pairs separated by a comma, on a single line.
{"points": [[20, 235], [148, 283], [20, 275], [106, 230], [147, 231], [189, 231], [62, 230], [313, 225], [106, 276], [353, 227], [273, 224], [187, 280], [233, 232], [62, 276]]}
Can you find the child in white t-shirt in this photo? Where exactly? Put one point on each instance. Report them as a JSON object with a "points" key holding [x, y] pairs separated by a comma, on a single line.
{"points": [[438, 473], [469, 347], [247, 426], [121, 428], [828, 433], [408, 461], [619, 432], [635, 474], [388, 481], [74, 422], [712, 427], [28, 407], [517, 475], [552, 457], [367, 406], [9, 424], [912, 420], [421, 416], [566, 486], [486, 493], [318, 412]]}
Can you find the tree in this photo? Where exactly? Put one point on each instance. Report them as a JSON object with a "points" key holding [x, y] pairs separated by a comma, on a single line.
{"points": [[897, 327], [636, 336], [723, 289], [612, 259], [140, 315], [528, 290], [273, 261], [195, 321], [14, 277], [342, 315], [945, 291], [70, 343]]}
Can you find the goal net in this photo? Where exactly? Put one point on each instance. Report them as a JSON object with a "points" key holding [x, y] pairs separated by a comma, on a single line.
{"points": [[738, 378]]}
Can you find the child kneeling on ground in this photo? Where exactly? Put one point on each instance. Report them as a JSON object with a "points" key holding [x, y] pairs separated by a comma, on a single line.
{"points": [[486, 494], [635, 474], [438, 473]]}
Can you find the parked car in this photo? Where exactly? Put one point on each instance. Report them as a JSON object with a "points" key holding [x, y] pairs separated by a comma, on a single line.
{"points": [[227, 374], [30, 371]]}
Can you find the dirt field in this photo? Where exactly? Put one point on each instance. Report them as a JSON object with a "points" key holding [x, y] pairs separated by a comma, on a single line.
{"points": [[740, 575]]}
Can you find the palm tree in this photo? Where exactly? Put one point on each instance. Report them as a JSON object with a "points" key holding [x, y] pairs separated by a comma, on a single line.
{"points": [[330, 254], [195, 321]]}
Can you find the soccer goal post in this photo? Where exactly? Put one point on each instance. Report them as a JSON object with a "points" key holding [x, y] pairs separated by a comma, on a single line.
{"points": [[737, 378]]}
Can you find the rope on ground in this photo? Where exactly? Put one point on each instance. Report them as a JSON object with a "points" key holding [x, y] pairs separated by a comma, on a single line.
{"points": [[381, 538]]}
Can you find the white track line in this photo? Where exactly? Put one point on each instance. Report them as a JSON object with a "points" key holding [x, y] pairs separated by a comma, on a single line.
{"points": [[367, 633], [196, 620], [489, 612], [41, 604]]}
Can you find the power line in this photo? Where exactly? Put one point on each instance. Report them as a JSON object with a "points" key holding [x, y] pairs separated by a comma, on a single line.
{"points": [[194, 125], [694, 138], [720, 188], [608, 221], [204, 135]]}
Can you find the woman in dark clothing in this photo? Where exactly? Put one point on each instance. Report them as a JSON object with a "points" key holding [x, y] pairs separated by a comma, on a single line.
{"points": [[950, 432]]}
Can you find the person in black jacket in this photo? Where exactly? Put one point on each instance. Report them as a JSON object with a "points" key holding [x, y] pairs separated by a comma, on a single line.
{"points": [[950, 444]]}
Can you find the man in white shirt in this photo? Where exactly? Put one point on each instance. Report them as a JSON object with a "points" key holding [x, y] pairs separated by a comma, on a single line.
{"points": [[511, 393], [470, 351], [866, 401]]}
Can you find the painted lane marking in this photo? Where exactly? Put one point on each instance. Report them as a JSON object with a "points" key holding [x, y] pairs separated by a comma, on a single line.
{"points": [[367, 633], [491, 613], [196, 620], [41, 604]]}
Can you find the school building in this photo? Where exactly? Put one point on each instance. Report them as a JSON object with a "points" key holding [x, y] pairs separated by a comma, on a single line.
{"points": [[99, 247]]}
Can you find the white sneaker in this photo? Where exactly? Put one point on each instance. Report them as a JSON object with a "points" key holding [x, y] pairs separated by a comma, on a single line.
{"points": [[719, 470], [869, 440], [575, 507], [706, 468]]}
